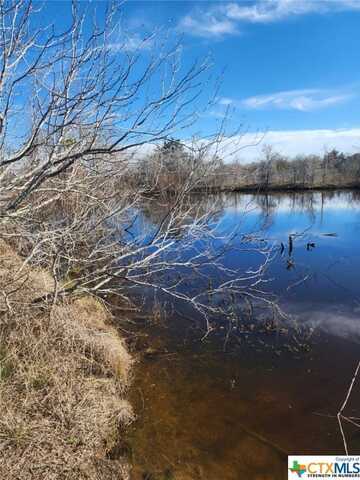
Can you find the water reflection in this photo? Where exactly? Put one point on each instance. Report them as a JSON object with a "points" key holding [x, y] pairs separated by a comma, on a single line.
{"points": [[206, 413], [308, 202], [324, 228]]}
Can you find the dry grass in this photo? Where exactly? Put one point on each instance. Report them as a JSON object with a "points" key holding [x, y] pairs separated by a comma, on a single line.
{"points": [[63, 373]]}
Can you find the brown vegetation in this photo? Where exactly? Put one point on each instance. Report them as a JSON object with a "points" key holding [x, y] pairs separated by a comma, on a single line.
{"points": [[63, 373], [176, 163], [276, 172]]}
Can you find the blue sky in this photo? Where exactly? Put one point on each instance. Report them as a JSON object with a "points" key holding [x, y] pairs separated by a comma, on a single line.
{"points": [[291, 66]]}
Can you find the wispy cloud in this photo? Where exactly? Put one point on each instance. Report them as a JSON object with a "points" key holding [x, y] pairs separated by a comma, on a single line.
{"points": [[306, 100], [226, 19], [207, 24], [302, 100], [272, 11], [295, 142]]}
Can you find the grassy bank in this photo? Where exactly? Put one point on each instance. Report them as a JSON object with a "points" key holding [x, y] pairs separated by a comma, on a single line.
{"points": [[63, 374]]}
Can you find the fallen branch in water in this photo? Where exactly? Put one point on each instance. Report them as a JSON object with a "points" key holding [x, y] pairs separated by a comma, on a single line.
{"points": [[299, 282], [340, 415]]}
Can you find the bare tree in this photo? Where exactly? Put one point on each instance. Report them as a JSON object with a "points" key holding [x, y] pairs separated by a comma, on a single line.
{"points": [[265, 167], [81, 104], [76, 95]]}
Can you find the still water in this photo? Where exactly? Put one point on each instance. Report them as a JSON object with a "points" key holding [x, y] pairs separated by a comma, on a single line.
{"points": [[215, 413]]}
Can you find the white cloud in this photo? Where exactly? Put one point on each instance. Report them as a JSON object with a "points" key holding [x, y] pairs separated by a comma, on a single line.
{"points": [[272, 11], [295, 142], [207, 25], [303, 100], [226, 101], [221, 20]]}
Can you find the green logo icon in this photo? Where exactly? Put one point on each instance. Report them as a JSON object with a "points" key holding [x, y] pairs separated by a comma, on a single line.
{"points": [[297, 468]]}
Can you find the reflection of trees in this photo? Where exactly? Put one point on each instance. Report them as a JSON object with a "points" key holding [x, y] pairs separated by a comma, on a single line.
{"points": [[266, 203], [304, 202], [355, 196], [195, 206]]}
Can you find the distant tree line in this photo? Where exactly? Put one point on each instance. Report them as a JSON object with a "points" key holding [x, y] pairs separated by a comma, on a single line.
{"points": [[173, 163], [275, 171]]}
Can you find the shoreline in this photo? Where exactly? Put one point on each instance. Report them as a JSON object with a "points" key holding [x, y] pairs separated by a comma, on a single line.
{"points": [[261, 190], [257, 189]]}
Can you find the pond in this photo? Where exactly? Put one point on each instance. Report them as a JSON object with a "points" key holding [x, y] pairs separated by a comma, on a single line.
{"points": [[209, 412]]}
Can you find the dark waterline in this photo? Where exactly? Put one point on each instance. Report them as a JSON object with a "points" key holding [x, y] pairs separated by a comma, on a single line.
{"points": [[206, 413]]}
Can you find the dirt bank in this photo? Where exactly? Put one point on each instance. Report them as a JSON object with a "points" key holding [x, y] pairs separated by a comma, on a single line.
{"points": [[63, 374]]}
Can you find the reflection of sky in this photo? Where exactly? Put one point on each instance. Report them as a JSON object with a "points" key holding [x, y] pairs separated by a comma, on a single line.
{"points": [[322, 285], [330, 295], [339, 320]]}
